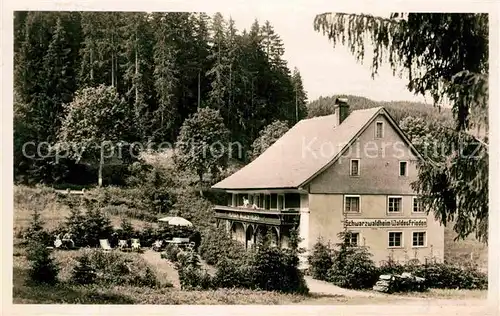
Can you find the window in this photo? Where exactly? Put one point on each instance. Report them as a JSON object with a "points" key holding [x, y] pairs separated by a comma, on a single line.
{"points": [[395, 239], [379, 129], [352, 239], [351, 204], [395, 204], [354, 167], [403, 168], [418, 239], [416, 205]]}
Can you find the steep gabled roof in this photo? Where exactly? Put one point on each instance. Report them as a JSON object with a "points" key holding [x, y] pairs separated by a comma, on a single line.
{"points": [[303, 152]]}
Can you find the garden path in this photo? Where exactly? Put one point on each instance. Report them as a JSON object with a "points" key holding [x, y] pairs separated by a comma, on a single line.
{"points": [[323, 287], [166, 270]]}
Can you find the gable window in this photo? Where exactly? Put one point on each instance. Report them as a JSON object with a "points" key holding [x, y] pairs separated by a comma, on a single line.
{"points": [[379, 129], [352, 239], [395, 239], [354, 168], [395, 204], [416, 205], [403, 168], [351, 204], [419, 239]]}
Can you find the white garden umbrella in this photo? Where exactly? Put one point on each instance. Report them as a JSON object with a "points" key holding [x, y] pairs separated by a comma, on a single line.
{"points": [[175, 221]]}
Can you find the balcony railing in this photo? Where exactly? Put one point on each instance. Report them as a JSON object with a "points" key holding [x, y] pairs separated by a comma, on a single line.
{"points": [[260, 216]]}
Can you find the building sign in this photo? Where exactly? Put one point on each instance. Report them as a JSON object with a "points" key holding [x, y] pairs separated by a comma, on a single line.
{"points": [[390, 223]]}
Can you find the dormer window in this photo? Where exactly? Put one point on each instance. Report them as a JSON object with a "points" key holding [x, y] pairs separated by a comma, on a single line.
{"points": [[379, 129]]}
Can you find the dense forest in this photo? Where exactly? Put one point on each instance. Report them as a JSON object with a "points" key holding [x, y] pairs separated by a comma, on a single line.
{"points": [[163, 66]]}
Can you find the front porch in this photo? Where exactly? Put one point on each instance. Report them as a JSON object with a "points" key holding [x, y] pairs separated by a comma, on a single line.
{"points": [[249, 228], [249, 216]]}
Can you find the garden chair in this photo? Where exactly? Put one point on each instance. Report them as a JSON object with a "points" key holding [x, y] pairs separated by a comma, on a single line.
{"points": [[105, 244], [136, 245], [122, 244]]}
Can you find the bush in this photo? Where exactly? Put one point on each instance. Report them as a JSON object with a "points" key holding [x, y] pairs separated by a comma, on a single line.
{"points": [[352, 266], [43, 268], [117, 268], [96, 226], [233, 274], [450, 276], [216, 244], [191, 276], [126, 230], [353, 269], [276, 269], [148, 235], [83, 273], [390, 266], [195, 208], [35, 232], [320, 260], [171, 252]]}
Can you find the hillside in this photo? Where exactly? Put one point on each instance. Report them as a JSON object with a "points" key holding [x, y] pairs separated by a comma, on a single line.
{"points": [[398, 109]]}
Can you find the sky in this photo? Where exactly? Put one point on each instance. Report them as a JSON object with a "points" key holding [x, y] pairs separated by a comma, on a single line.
{"points": [[325, 71]]}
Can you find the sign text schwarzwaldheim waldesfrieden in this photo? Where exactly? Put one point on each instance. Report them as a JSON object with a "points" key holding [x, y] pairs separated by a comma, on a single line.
{"points": [[421, 222]]}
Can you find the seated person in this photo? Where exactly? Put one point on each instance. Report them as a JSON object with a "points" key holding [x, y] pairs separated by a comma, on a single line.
{"points": [[58, 241], [254, 206], [68, 241], [157, 245]]}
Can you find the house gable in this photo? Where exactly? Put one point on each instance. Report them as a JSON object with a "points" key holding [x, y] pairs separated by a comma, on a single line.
{"points": [[378, 159]]}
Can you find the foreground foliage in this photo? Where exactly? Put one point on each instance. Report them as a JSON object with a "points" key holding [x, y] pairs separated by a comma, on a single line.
{"points": [[351, 267]]}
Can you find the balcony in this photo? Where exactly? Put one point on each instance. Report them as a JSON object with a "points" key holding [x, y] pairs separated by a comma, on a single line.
{"points": [[258, 216]]}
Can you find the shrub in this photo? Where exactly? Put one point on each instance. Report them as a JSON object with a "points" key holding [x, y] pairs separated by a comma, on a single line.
{"points": [[96, 226], [83, 273], [195, 208], [148, 235], [194, 279], [450, 276], [439, 275], [352, 266], [216, 244], [277, 270], [126, 229], [390, 266], [171, 252], [35, 232], [117, 268], [43, 268], [191, 276], [233, 274], [320, 260], [75, 223]]}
